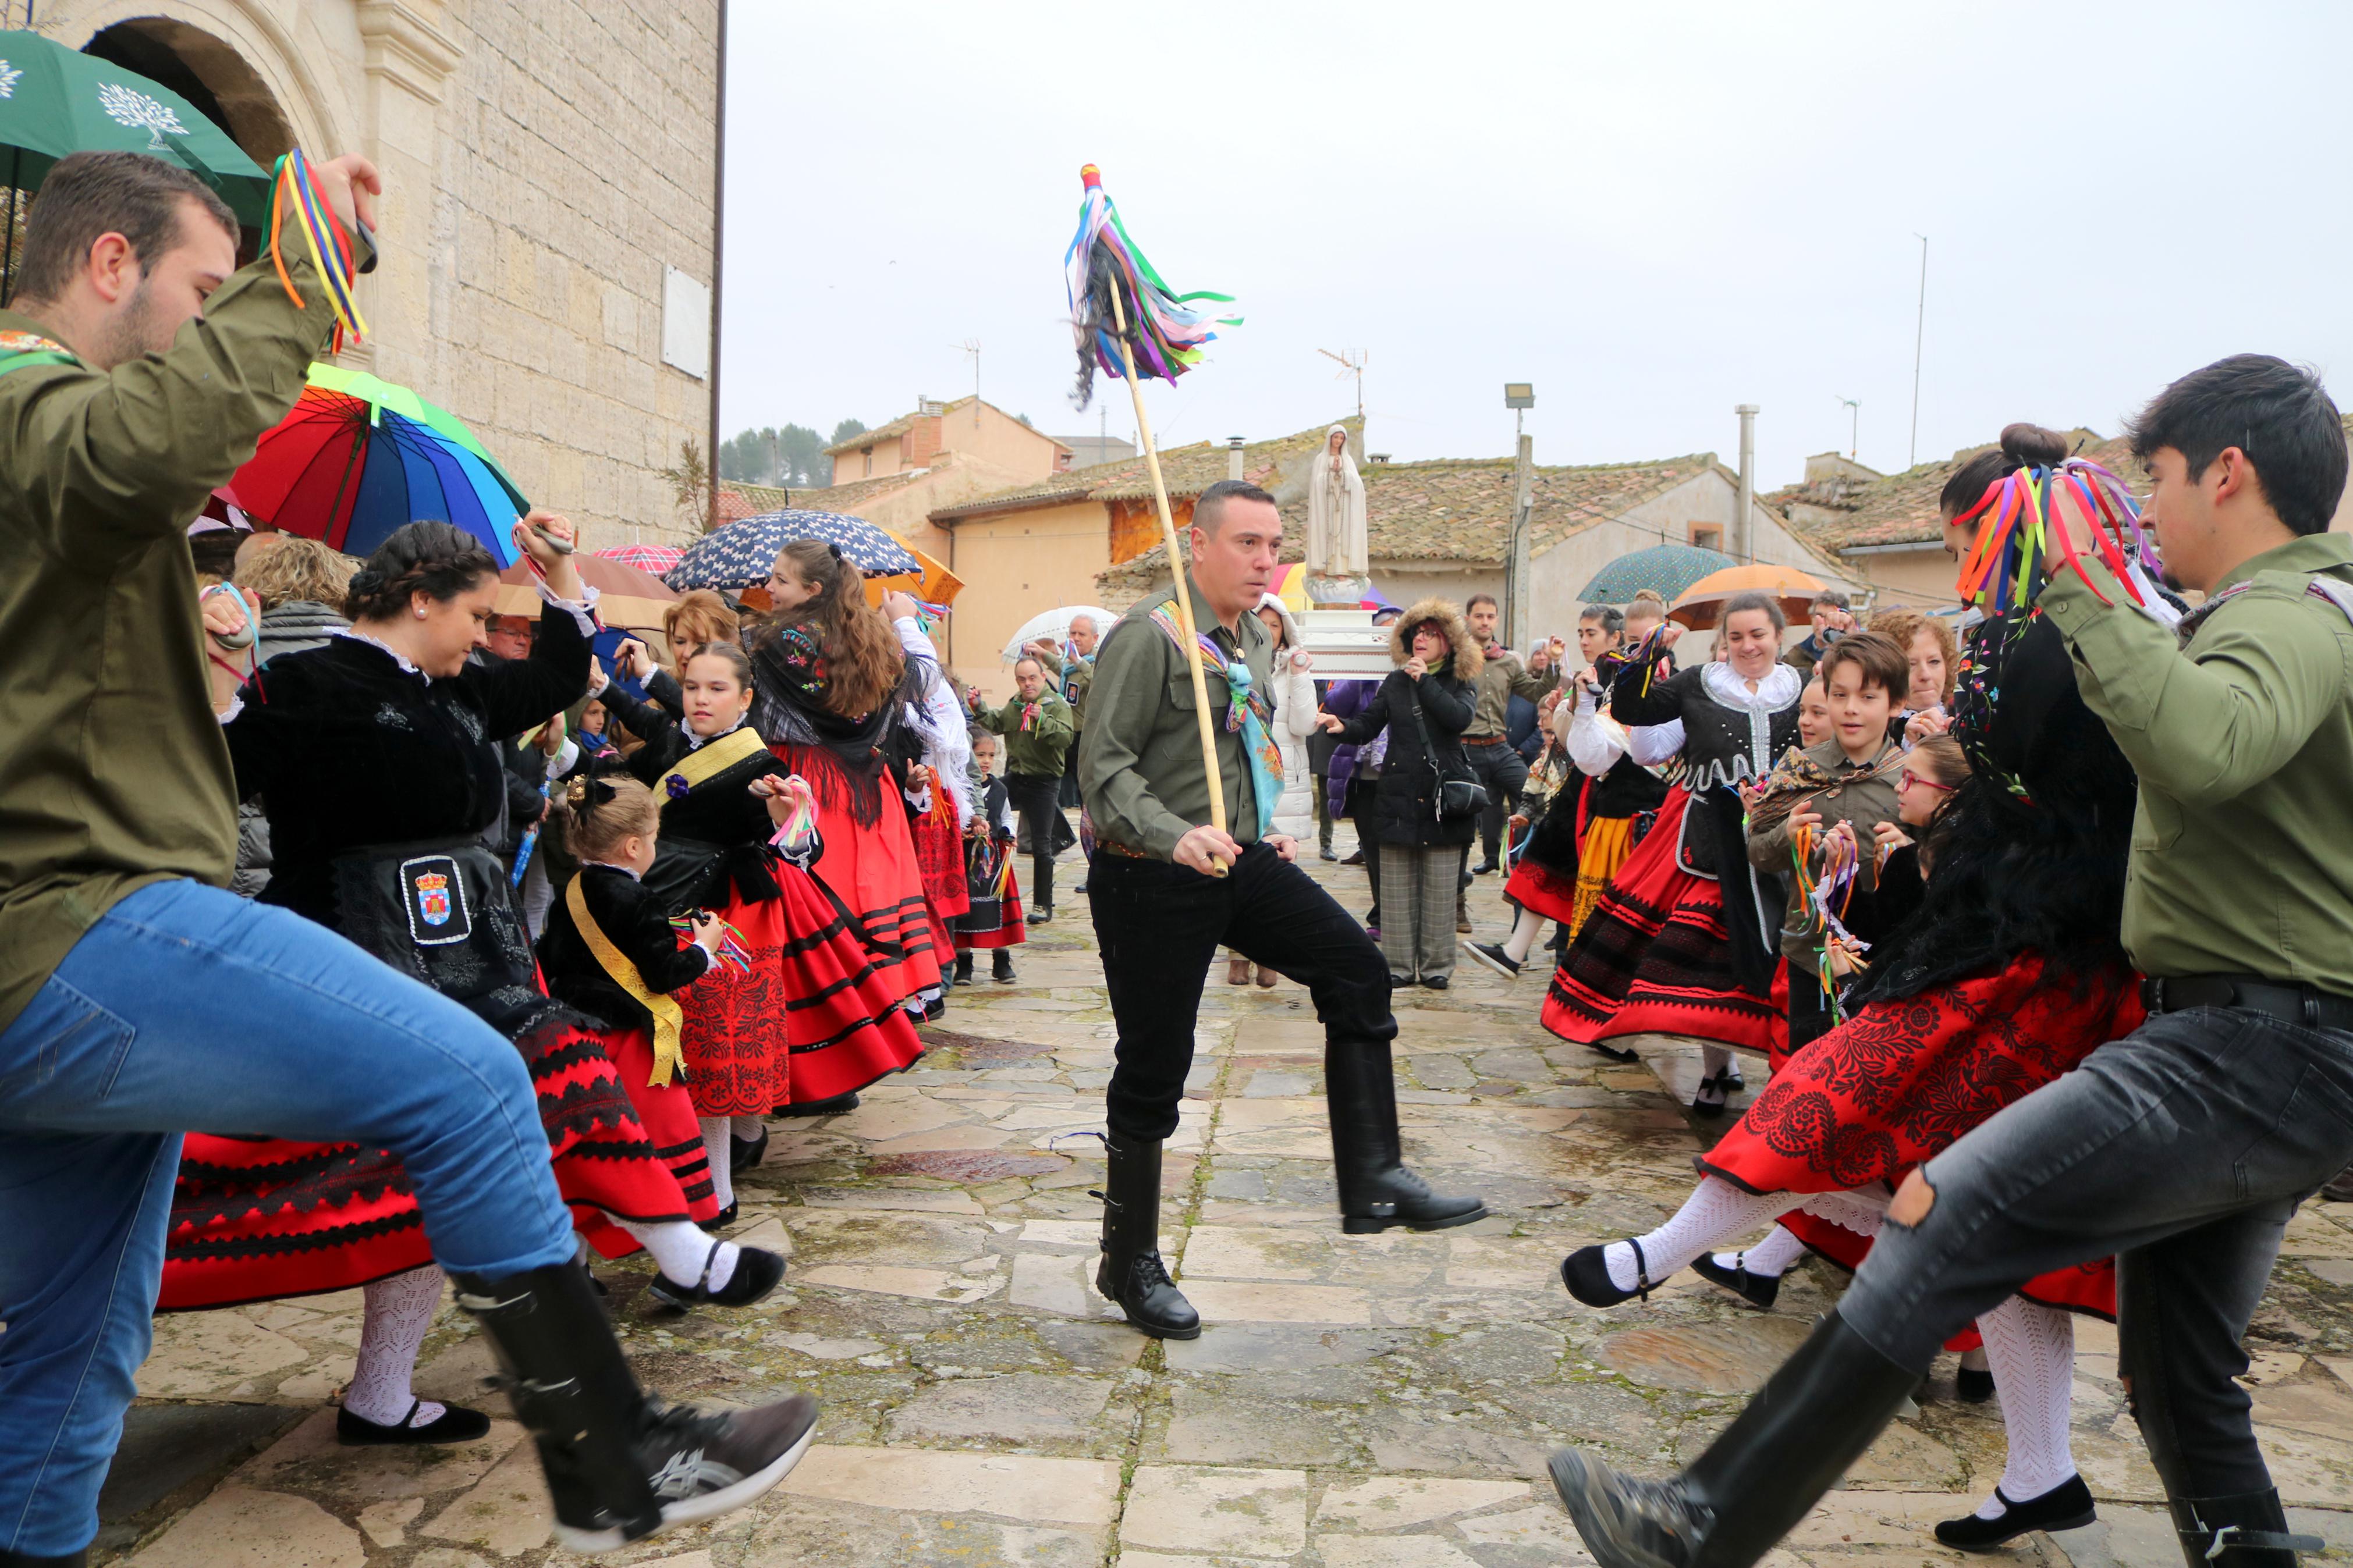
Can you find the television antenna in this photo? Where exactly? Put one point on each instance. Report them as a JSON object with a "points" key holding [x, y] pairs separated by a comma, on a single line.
{"points": [[972, 347], [1351, 362], [1855, 425]]}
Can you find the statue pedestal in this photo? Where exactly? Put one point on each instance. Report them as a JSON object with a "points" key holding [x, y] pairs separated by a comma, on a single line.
{"points": [[1346, 644]]}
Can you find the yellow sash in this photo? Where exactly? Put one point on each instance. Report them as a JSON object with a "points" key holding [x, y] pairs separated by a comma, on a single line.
{"points": [[696, 767], [668, 1016]]}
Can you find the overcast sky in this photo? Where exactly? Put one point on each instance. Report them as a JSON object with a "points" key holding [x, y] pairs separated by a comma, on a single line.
{"points": [[1650, 212]]}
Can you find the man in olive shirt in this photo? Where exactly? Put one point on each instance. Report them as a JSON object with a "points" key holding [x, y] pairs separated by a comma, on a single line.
{"points": [[1502, 770], [2184, 1148], [139, 998], [1167, 888], [1040, 735]]}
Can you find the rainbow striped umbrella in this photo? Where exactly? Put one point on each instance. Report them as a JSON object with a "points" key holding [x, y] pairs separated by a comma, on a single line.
{"points": [[359, 457]]}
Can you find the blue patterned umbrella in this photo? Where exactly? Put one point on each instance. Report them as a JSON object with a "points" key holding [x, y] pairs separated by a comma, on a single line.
{"points": [[1665, 569], [738, 555]]}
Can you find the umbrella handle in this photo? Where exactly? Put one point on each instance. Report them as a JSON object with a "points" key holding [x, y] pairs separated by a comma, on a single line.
{"points": [[561, 546]]}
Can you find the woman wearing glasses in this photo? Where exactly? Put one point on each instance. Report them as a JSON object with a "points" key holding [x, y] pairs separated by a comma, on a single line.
{"points": [[2007, 974]]}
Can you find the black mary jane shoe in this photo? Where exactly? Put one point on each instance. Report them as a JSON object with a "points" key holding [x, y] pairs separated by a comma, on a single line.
{"points": [[2067, 1506], [1972, 1384], [743, 1153], [456, 1424], [1709, 1101], [717, 1222], [1757, 1290], [834, 1106], [757, 1272], [1041, 917], [1586, 1272], [1612, 1052]]}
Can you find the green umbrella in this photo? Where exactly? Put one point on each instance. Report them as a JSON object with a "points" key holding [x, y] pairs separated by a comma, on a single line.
{"points": [[55, 100]]}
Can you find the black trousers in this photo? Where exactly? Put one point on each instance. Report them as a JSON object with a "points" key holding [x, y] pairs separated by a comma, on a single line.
{"points": [[1364, 813], [1504, 773], [1039, 801], [2183, 1149], [1160, 925], [1809, 1006]]}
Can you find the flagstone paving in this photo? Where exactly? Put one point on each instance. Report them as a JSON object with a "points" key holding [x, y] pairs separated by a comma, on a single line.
{"points": [[1378, 1402]]}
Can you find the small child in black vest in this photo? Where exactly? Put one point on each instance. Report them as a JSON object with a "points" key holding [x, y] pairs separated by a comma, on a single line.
{"points": [[994, 921]]}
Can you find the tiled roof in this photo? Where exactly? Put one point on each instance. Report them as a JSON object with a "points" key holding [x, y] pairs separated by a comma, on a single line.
{"points": [[848, 497], [1188, 470], [899, 427], [738, 501], [1457, 511], [1901, 509]]}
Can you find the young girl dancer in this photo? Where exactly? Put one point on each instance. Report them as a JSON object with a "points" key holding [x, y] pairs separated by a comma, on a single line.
{"points": [[807, 998], [611, 951], [830, 687], [993, 919], [1681, 941]]}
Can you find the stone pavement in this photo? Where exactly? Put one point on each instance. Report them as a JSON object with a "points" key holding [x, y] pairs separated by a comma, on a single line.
{"points": [[1354, 1403]]}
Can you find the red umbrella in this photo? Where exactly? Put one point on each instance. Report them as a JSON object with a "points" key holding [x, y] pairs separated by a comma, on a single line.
{"points": [[651, 559]]}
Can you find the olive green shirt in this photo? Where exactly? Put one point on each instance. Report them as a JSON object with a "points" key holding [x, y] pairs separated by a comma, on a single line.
{"points": [[2242, 844], [113, 773], [1140, 768], [1038, 752], [1500, 678]]}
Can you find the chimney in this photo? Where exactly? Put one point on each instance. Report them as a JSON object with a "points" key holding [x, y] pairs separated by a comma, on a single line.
{"points": [[1742, 548], [1233, 456]]}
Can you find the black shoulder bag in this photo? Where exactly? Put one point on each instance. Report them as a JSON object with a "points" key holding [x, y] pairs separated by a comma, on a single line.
{"points": [[1457, 797]]}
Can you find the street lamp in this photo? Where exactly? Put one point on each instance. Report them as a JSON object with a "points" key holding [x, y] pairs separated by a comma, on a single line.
{"points": [[1519, 396]]}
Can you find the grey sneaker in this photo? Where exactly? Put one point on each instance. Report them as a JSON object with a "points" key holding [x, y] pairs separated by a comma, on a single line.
{"points": [[702, 1464], [1626, 1521]]}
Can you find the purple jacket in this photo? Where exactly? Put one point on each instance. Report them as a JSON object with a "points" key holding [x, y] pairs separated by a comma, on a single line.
{"points": [[1346, 700]]}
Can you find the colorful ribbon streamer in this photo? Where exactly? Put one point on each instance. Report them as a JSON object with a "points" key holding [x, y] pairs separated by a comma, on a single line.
{"points": [[295, 191]]}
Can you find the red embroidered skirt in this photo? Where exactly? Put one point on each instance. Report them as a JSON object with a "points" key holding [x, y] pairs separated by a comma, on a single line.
{"points": [[876, 875], [736, 1041], [1012, 928], [1901, 1081], [668, 1115], [1654, 958], [1534, 886], [842, 1014], [256, 1219]]}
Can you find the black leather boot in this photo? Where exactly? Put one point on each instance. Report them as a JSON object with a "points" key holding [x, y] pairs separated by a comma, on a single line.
{"points": [[1130, 1273], [2249, 1531], [619, 1465], [1797, 1436], [1377, 1191]]}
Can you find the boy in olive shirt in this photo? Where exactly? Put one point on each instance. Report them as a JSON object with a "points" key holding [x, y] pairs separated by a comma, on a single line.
{"points": [[2184, 1148]]}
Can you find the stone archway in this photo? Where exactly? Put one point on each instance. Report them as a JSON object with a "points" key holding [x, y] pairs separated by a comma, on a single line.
{"points": [[205, 71]]}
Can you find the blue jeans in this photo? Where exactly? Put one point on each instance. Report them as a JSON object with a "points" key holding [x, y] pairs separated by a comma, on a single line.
{"points": [[189, 1008], [2183, 1149]]}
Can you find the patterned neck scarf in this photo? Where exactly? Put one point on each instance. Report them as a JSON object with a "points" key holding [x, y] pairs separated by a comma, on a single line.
{"points": [[1248, 713]]}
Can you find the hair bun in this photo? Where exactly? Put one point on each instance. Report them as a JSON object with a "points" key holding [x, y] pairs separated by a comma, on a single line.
{"points": [[2033, 447]]}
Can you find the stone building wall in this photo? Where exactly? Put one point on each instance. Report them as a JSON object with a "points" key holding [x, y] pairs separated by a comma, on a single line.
{"points": [[546, 161]]}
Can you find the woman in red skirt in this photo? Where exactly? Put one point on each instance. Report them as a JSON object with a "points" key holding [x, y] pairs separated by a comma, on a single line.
{"points": [[992, 920], [2009, 973], [830, 687], [1681, 941], [932, 758], [375, 759], [801, 984]]}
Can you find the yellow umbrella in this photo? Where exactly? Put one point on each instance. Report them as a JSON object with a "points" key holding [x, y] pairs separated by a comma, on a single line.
{"points": [[1700, 605], [934, 585]]}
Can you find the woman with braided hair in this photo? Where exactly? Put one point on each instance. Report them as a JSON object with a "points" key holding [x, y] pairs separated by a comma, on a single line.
{"points": [[376, 756]]}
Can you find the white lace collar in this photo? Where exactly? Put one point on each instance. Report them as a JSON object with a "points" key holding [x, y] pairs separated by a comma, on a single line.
{"points": [[608, 866], [1779, 688], [386, 648], [695, 742]]}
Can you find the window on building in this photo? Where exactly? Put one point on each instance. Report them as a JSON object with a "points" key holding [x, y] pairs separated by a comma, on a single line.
{"points": [[1707, 535]]}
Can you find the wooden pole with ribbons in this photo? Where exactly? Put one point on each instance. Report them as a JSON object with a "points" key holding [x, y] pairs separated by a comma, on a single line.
{"points": [[1177, 574]]}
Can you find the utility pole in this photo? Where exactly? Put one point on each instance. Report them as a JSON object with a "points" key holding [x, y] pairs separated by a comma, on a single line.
{"points": [[1919, 334], [1744, 549]]}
